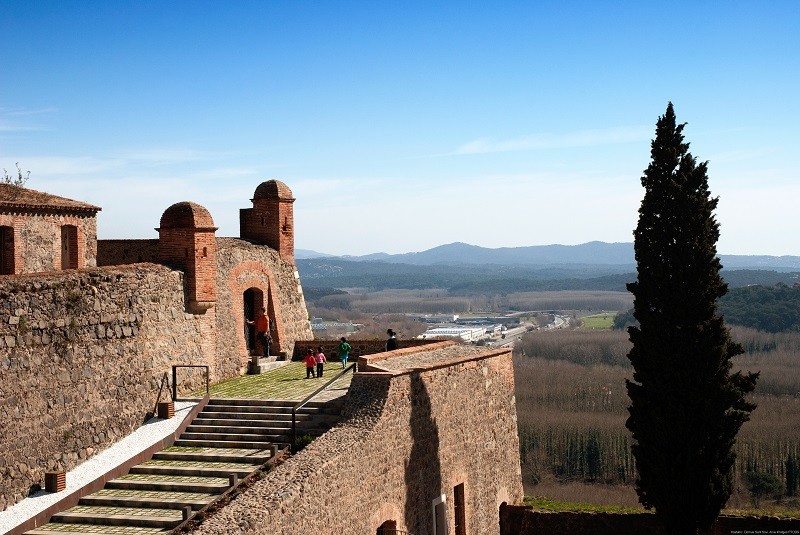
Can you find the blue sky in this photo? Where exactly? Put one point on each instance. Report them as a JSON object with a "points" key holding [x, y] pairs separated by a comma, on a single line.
{"points": [[400, 126]]}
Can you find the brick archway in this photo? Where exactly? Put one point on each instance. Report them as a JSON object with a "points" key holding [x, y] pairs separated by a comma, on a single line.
{"points": [[258, 278]]}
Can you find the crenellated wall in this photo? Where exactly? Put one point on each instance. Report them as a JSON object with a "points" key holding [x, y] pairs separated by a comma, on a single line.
{"points": [[410, 435]]}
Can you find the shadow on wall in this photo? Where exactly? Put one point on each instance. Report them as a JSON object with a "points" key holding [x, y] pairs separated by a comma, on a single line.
{"points": [[423, 475]]}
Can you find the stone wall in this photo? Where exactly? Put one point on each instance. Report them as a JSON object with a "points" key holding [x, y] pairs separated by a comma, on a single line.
{"points": [[81, 357], [519, 520], [409, 437]]}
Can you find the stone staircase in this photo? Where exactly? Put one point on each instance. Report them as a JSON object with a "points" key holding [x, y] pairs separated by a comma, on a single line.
{"points": [[228, 441]]}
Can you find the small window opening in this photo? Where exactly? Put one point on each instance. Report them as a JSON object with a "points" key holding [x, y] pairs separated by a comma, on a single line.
{"points": [[459, 511]]}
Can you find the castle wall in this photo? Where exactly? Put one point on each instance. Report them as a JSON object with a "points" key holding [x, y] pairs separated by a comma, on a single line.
{"points": [[408, 437], [37, 240], [82, 354]]}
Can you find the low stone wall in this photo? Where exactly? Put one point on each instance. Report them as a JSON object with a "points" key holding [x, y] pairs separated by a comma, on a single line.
{"points": [[409, 437], [519, 520], [82, 354]]}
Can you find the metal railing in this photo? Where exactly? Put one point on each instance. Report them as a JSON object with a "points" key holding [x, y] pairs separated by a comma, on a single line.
{"points": [[301, 404], [175, 378]]}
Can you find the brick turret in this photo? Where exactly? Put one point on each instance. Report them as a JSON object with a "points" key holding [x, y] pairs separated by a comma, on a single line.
{"points": [[187, 241], [270, 221]]}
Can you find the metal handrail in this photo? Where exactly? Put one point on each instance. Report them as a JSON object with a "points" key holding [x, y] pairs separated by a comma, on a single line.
{"points": [[175, 378], [300, 404]]}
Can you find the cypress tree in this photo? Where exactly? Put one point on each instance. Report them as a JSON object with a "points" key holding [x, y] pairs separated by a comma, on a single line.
{"points": [[686, 405]]}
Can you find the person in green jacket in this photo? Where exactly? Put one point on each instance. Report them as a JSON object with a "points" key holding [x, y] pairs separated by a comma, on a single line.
{"points": [[344, 351]]}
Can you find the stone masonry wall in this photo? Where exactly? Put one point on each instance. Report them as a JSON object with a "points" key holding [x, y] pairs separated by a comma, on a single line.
{"points": [[409, 436], [82, 354]]}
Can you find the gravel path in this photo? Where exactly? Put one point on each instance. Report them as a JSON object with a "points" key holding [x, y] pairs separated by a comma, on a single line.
{"points": [[148, 434]]}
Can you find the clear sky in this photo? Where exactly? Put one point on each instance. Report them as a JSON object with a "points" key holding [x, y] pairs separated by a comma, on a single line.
{"points": [[400, 126]]}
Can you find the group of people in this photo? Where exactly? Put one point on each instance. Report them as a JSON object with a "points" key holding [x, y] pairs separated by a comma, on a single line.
{"points": [[315, 360], [315, 363]]}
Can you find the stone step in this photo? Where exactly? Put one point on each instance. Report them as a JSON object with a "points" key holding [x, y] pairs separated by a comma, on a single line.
{"points": [[257, 420], [57, 528], [120, 516], [170, 483], [248, 441], [147, 499], [246, 433], [251, 416], [306, 409], [256, 456], [198, 469]]}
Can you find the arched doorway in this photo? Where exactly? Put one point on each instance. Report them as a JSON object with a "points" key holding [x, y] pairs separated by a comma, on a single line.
{"points": [[253, 301], [388, 528]]}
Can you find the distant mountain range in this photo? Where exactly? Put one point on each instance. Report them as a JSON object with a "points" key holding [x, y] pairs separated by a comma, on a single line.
{"points": [[596, 253]]}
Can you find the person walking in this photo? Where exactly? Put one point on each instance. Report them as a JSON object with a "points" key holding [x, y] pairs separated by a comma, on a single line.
{"points": [[311, 361], [344, 351], [391, 343], [320, 356], [261, 324]]}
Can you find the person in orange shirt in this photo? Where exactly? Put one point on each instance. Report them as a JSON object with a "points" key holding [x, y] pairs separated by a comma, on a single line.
{"points": [[261, 324]]}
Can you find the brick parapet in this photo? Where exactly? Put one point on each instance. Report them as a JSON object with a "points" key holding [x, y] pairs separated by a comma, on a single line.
{"points": [[407, 438]]}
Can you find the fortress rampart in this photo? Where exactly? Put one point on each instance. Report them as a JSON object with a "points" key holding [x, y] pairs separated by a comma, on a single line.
{"points": [[439, 429], [83, 351]]}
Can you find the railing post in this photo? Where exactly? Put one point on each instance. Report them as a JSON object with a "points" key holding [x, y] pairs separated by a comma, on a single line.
{"points": [[174, 383]]}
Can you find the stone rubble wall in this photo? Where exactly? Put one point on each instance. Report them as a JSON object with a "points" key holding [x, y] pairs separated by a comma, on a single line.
{"points": [[82, 354], [407, 437]]}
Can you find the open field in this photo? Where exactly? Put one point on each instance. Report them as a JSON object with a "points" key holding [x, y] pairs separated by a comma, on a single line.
{"points": [[604, 320]]}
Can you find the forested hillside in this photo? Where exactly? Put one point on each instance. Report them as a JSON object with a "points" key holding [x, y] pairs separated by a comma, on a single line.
{"points": [[766, 308], [494, 279]]}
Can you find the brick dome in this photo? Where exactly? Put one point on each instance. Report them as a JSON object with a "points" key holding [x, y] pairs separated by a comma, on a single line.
{"points": [[186, 215], [272, 189]]}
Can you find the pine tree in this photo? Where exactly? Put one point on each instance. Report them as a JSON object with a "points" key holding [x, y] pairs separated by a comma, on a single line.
{"points": [[686, 405]]}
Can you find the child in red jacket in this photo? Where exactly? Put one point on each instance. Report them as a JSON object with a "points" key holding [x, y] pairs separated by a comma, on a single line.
{"points": [[311, 363]]}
